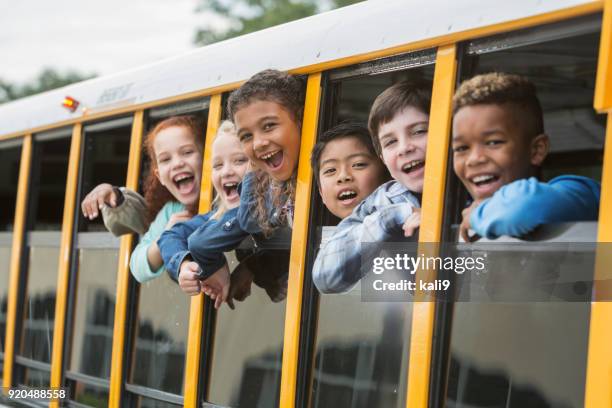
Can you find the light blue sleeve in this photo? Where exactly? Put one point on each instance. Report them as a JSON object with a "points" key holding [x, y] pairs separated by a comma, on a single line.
{"points": [[139, 265], [338, 264], [519, 207]]}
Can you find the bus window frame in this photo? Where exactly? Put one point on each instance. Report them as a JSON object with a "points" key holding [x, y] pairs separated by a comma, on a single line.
{"points": [[455, 192]]}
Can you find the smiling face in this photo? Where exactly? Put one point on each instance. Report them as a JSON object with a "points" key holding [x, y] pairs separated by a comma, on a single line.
{"points": [[229, 166], [348, 173], [403, 142], [270, 137], [490, 148], [179, 163]]}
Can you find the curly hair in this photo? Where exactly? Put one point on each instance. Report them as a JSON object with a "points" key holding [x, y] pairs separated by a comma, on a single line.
{"points": [[500, 88], [287, 91], [270, 85], [395, 99], [156, 195]]}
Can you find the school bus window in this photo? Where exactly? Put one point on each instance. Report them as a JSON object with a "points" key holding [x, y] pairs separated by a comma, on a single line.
{"points": [[245, 365], [104, 159], [44, 221], [481, 355], [361, 349], [160, 314], [10, 157]]}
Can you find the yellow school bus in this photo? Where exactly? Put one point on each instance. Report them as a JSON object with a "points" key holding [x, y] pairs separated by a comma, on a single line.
{"points": [[73, 317]]}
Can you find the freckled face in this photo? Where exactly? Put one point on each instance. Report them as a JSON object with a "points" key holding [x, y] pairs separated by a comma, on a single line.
{"points": [[490, 149], [179, 163], [348, 173], [270, 138], [229, 166], [403, 142]]}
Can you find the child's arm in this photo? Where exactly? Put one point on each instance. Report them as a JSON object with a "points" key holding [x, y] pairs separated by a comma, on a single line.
{"points": [[521, 206], [338, 264], [173, 243], [141, 265], [208, 243], [248, 203], [126, 214]]}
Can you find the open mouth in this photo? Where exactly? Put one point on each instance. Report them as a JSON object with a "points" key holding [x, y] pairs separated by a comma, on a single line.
{"points": [[412, 166], [184, 182], [347, 195], [484, 179], [230, 190], [273, 159]]}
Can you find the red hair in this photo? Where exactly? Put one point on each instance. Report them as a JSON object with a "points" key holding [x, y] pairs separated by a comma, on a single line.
{"points": [[156, 195]]}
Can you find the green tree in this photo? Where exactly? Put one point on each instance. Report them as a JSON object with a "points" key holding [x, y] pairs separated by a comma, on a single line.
{"points": [[247, 16], [48, 79]]}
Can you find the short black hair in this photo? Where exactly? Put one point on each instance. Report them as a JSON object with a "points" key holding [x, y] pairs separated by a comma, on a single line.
{"points": [[340, 131]]}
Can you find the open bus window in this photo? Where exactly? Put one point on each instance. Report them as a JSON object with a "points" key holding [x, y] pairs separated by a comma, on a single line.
{"points": [[44, 222], [512, 350], [246, 354], [160, 310], [361, 349], [10, 157]]}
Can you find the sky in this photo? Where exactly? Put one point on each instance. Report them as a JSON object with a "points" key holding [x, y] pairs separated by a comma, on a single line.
{"points": [[88, 36]]}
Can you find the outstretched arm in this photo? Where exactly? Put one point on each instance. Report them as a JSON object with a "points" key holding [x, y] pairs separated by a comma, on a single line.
{"points": [[519, 207]]}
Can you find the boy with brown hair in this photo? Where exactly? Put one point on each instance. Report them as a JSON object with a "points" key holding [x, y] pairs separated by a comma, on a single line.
{"points": [[499, 146]]}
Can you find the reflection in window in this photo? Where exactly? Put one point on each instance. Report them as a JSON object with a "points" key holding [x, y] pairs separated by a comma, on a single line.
{"points": [[92, 340], [362, 352], [247, 354], [39, 308], [89, 395], [509, 354], [161, 336], [31, 377]]}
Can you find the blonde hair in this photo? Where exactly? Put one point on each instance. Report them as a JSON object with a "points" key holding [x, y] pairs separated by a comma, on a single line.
{"points": [[225, 128]]}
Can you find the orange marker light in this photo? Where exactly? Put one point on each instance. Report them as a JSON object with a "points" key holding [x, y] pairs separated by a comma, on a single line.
{"points": [[70, 103]]}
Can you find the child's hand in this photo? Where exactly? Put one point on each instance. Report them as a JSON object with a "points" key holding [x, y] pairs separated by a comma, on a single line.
{"points": [[240, 287], [97, 198], [188, 278], [180, 216], [412, 222], [465, 223], [217, 285]]}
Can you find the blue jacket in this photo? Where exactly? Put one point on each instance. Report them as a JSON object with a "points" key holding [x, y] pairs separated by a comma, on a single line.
{"points": [[205, 240], [519, 207]]}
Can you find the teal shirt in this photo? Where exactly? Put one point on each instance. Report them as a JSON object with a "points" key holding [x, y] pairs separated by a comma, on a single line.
{"points": [[139, 265]]}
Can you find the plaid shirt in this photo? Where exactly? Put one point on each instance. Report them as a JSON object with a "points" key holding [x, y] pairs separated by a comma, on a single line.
{"points": [[378, 218]]}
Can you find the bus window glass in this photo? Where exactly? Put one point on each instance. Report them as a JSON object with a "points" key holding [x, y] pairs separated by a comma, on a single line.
{"points": [[44, 222], [161, 336], [247, 350], [104, 160], [10, 156], [512, 350], [247, 353], [361, 348], [160, 312]]}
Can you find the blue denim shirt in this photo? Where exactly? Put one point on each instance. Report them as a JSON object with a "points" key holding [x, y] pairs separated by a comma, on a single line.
{"points": [[208, 242], [378, 218], [174, 243]]}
